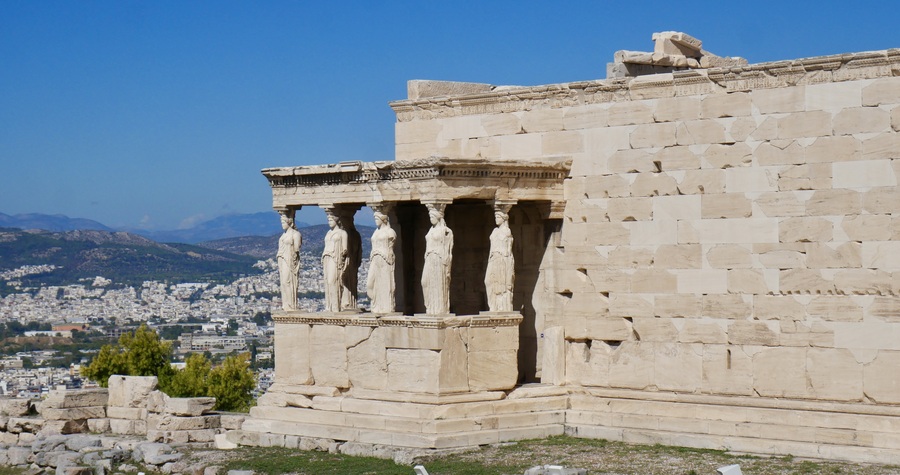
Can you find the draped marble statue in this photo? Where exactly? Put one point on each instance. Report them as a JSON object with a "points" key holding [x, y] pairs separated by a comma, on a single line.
{"points": [[350, 274], [288, 258], [500, 272], [438, 256], [335, 260], [380, 284]]}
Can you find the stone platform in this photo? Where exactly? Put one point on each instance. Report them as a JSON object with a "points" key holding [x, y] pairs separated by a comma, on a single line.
{"points": [[821, 430], [436, 422]]}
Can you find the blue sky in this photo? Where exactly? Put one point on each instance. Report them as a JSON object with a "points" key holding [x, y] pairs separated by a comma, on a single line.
{"points": [[160, 114]]}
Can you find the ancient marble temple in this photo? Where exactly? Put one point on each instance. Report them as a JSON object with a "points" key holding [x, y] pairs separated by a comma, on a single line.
{"points": [[694, 251]]}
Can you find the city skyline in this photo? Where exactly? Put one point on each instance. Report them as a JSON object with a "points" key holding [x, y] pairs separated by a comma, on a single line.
{"points": [[159, 116]]}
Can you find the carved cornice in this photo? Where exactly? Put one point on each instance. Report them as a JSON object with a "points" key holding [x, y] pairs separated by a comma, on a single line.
{"points": [[425, 169], [415, 321], [816, 70]]}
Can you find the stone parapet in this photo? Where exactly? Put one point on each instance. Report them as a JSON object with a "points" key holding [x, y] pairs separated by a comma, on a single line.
{"points": [[771, 75], [424, 354]]}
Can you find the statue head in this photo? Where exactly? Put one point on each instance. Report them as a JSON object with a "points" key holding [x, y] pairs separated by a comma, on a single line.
{"points": [[435, 213], [332, 219], [381, 219], [287, 220], [500, 217]]}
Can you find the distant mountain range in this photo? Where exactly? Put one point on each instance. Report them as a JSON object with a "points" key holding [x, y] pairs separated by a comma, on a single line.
{"points": [[216, 250], [265, 247], [123, 257], [50, 222], [228, 226]]}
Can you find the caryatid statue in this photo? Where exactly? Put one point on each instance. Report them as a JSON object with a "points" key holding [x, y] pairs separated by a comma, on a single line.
{"points": [[380, 284], [438, 256], [350, 275], [335, 260], [288, 258], [500, 272]]}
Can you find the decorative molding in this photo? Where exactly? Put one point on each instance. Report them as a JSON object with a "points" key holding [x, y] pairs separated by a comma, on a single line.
{"points": [[486, 319]]}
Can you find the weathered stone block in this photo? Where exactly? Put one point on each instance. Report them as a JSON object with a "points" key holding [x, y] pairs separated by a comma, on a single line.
{"points": [[702, 181], [492, 370], [805, 124], [169, 422], [677, 305], [678, 256], [678, 366], [413, 370], [73, 413], [134, 413], [562, 143], [702, 331], [780, 372], [575, 118], [882, 200], [747, 281], [630, 113], [367, 362], [785, 99], [631, 365], [727, 155], [328, 356], [654, 184], [728, 256], [834, 374], [64, 399], [130, 391], [727, 370], [653, 135], [655, 329], [780, 152], [882, 146], [836, 308], [693, 132], [727, 205], [881, 91], [805, 229], [831, 96], [553, 366], [834, 202], [863, 174], [734, 104], [879, 378], [677, 108], [810, 176], [833, 254], [629, 209], [861, 120], [726, 306], [127, 427]]}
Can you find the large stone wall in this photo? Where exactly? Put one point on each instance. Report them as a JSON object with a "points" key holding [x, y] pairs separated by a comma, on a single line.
{"points": [[730, 232]]}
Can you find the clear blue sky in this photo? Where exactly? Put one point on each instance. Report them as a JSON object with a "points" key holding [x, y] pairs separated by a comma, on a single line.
{"points": [[161, 113]]}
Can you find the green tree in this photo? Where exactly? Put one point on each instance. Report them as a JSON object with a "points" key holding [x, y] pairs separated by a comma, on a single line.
{"points": [[138, 354], [193, 380], [231, 384], [109, 361]]}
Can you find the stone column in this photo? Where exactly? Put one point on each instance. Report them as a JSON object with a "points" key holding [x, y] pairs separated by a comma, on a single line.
{"points": [[335, 260], [288, 259], [350, 276], [399, 258], [438, 258], [380, 282], [500, 273]]}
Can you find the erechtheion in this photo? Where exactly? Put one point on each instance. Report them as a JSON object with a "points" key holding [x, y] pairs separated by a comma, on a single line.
{"points": [[706, 253]]}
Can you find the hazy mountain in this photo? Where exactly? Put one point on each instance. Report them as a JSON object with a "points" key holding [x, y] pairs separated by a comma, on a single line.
{"points": [[265, 247], [253, 224], [54, 222], [120, 256], [233, 225]]}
